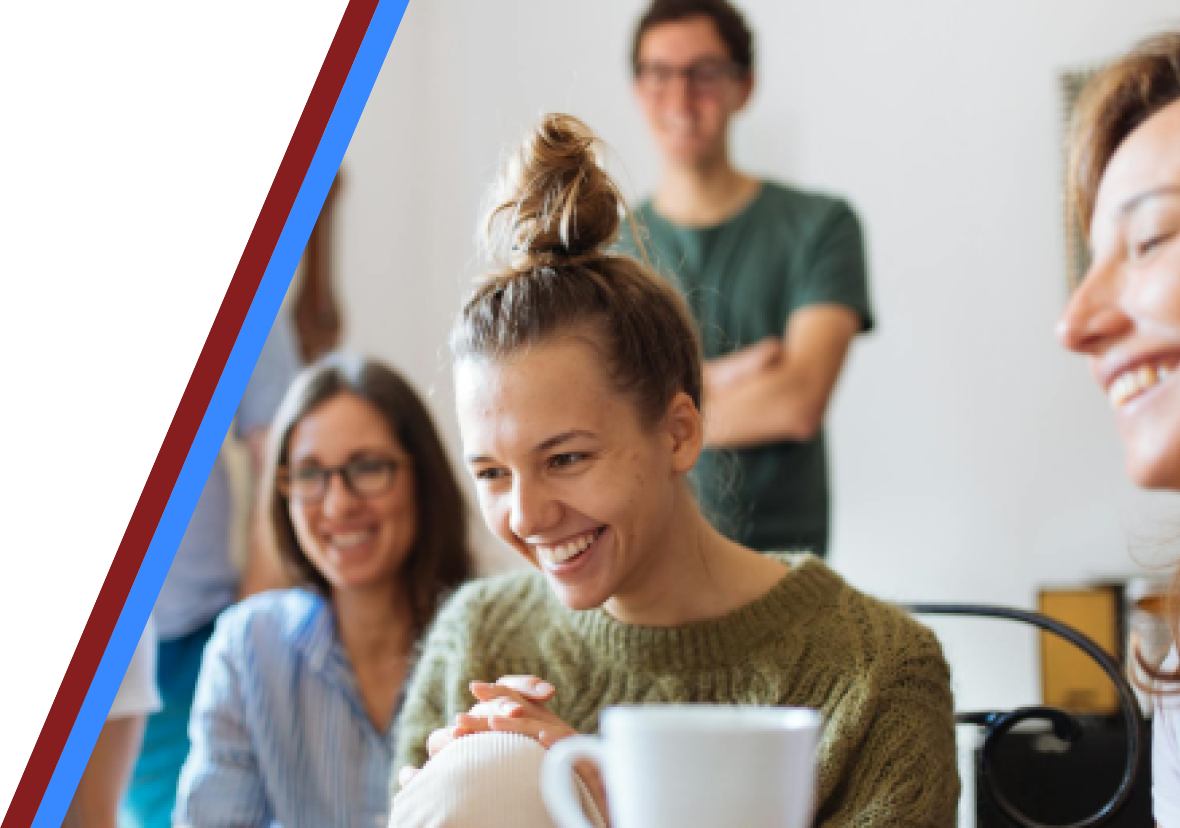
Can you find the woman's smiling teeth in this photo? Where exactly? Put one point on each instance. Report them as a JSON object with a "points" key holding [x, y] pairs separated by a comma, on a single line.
{"points": [[561, 553], [1130, 384], [347, 540]]}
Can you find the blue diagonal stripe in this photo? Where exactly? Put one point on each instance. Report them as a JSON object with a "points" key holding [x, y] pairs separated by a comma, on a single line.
{"points": [[218, 416]]}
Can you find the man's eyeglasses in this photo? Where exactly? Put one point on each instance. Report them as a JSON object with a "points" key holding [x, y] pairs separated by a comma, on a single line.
{"points": [[705, 76], [364, 476]]}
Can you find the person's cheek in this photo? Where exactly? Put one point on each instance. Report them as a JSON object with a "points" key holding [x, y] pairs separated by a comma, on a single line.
{"points": [[1156, 294], [497, 517], [301, 522]]}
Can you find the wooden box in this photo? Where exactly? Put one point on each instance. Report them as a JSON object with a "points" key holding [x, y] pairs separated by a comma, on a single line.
{"points": [[1070, 679]]}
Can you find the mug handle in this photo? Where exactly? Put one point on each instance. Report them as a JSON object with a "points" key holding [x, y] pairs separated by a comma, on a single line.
{"points": [[557, 778]]}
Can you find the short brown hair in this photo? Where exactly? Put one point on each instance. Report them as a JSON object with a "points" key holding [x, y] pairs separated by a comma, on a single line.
{"points": [[441, 559], [555, 216], [730, 24], [1114, 104]]}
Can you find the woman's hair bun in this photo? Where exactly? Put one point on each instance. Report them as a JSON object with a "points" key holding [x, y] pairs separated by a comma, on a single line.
{"points": [[554, 204]]}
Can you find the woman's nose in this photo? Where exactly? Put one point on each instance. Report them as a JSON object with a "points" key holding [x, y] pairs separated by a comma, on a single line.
{"points": [[1094, 315], [532, 510], [680, 88], [338, 497]]}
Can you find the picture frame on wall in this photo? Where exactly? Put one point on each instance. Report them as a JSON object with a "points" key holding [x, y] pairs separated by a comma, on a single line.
{"points": [[1077, 255]]}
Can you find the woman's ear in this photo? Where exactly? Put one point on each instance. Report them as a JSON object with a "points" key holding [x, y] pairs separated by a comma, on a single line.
{"points": [[686, 429]]}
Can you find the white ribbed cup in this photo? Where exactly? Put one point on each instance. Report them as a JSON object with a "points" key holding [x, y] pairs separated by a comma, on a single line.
{"points": [[693, 766]]}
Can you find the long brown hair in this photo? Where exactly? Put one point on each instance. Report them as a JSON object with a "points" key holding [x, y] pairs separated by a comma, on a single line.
{"points": [[441, 559], [554, 217], [1115, 103], [1161, 681]]}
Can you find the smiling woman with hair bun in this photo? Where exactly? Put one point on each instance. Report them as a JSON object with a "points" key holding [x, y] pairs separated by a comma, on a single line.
{"points": [[578, 385]]}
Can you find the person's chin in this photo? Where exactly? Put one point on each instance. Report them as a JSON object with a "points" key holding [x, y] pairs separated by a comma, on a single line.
{"points": [[688, 156], [362, 575], [683, 149], [1160, 472], [580, 574], [351, 581]]}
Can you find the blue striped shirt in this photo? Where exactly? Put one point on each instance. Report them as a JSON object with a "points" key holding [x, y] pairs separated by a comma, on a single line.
{"points": [[279, 733]]}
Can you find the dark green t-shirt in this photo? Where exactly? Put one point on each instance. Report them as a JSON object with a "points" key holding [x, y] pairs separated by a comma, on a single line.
{"points": [[743, 279]]}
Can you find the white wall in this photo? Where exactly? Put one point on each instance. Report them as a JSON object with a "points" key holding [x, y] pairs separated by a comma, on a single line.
{"points": [[973, 460]]}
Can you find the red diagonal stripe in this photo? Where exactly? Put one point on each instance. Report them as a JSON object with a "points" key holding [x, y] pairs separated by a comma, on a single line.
{"points": [[183, 429]]}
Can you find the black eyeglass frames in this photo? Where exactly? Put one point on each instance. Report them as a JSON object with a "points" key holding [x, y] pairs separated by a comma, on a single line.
{"points": [[366, 475]]}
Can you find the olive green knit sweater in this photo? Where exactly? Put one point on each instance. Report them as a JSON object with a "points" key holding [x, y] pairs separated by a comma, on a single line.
{"points": [[887, 756]]}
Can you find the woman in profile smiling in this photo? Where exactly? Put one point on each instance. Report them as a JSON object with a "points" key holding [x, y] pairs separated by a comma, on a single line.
{"points": [[293, 718], [1125, 315], [578, 383]]}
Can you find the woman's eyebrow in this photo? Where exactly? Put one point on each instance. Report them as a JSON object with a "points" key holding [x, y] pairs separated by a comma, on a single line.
{"points": [[370, 451], [558, 439], [543, 446], [1134, 201]]}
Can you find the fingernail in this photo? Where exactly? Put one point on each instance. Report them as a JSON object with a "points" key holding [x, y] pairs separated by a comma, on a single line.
{"points": [[511, 707], [543, 687]]}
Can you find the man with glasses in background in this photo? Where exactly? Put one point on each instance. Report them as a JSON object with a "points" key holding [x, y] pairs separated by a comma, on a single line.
{"points": [[775, 277]]}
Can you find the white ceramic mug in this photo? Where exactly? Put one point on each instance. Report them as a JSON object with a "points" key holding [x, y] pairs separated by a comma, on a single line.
{"points": [[693, 766]]}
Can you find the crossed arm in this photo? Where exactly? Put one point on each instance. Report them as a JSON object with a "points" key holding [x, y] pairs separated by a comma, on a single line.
{"points": [[777, 390]]}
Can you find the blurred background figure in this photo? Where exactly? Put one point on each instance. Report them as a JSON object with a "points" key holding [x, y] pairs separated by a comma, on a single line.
{"points": [[775, 277], [1125, 315], [96, 800], [294, 710], [203, 581]]}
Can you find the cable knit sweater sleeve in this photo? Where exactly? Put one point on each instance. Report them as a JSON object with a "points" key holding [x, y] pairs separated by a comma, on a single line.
{"points": [[900, 770]]}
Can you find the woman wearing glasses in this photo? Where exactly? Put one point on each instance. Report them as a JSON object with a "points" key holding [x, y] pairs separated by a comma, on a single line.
{"points": [[292, 721], [775, 277], [1125, 316]]}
